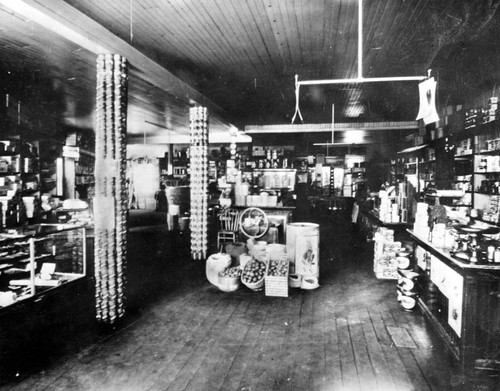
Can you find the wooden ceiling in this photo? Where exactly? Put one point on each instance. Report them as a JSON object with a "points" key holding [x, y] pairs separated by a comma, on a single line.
{"points": [[240, 57]]}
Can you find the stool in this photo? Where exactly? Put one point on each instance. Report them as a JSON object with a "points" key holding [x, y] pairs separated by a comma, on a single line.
{"points": [[229, 224]]}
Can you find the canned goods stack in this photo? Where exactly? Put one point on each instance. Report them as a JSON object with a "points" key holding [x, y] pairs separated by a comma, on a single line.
{"points": [[111, 200], [199, 181]]}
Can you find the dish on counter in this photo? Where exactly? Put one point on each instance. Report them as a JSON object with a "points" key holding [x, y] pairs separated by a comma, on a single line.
{"points": [[461, 256], [477, 227]]}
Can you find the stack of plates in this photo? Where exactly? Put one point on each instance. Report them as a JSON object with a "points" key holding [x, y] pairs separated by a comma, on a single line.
{"points": [[407, 289]]}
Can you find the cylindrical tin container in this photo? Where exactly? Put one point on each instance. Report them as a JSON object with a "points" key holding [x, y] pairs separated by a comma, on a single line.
{"points": [[403, 262], [302, 247]]}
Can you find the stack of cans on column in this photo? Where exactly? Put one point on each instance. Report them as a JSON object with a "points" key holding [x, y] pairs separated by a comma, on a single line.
{"points": [[110, 202], [198, 154]]}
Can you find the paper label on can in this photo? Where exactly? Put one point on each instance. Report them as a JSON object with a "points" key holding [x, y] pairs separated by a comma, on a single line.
{"points": [[307, 255]]}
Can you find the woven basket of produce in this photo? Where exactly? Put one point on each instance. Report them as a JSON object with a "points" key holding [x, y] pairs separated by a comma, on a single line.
{"points": [[253, 274], [229, 279]]}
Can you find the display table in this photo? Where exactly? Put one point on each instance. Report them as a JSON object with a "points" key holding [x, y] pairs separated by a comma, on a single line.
{"points": [[462, 301]]}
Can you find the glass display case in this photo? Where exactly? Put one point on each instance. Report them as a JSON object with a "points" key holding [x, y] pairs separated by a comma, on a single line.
{"points": [[37, 258]]}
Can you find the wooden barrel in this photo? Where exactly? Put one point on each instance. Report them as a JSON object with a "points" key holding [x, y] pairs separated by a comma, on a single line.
{"points": [[302, 247]]}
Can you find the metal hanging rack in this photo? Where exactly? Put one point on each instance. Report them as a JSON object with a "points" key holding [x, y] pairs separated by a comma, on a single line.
{"points": [[357, 80]]}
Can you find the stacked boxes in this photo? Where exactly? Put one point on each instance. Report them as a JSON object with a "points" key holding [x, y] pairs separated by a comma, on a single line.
{"points": [[385, 263], [421, 224], [492, 214], [430, 154], [394, 209], [488, 164], [464, 147], [473, 118], [491, 113], [402, 204], [385, 208]]}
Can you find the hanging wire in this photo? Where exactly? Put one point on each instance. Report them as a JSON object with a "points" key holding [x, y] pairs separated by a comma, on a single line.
{"points": [[297, 108], [131, 20]]}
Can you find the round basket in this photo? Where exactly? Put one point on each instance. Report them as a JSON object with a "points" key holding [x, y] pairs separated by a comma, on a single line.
{"points": [[229, 284], [229, 279], [258, 285], [254, 223]]}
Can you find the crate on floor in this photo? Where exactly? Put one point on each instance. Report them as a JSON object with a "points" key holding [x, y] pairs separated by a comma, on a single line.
{"points": [[276, 280]]}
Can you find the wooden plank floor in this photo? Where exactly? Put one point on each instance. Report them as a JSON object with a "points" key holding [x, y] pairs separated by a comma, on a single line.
{"points": [[336, 337]]}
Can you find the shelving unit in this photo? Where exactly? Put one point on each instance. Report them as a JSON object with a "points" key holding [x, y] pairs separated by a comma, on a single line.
{"points": [[84, 174], [477, 165], [79, 165], [353, 179], [51, 167], [180, 165], [417, 164], [275, 179], [19, 182]]}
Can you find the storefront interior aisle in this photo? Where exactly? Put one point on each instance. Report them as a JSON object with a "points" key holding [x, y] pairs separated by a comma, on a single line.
{"points": [[184, 334]]}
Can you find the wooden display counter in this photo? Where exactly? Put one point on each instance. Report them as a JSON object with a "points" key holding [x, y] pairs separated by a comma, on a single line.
{"points": [[462, 301], [369, 221], [43, 321], [373, 215]]}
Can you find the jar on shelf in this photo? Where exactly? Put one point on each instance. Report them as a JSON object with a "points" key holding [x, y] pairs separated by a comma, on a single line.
{"points": [[483, 165]]}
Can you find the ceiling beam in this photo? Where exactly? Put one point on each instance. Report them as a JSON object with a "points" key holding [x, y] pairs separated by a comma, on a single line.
{"points": [[321, 128], [360, 80], [175, 138], [61, 18]]}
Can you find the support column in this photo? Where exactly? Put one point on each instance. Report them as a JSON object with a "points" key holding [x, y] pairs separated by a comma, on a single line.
{"points": [[110, 203], [198, 162]]}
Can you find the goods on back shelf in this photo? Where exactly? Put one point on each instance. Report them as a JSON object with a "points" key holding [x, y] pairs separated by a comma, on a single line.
{"points": [[492, 213], [421, 224]]}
